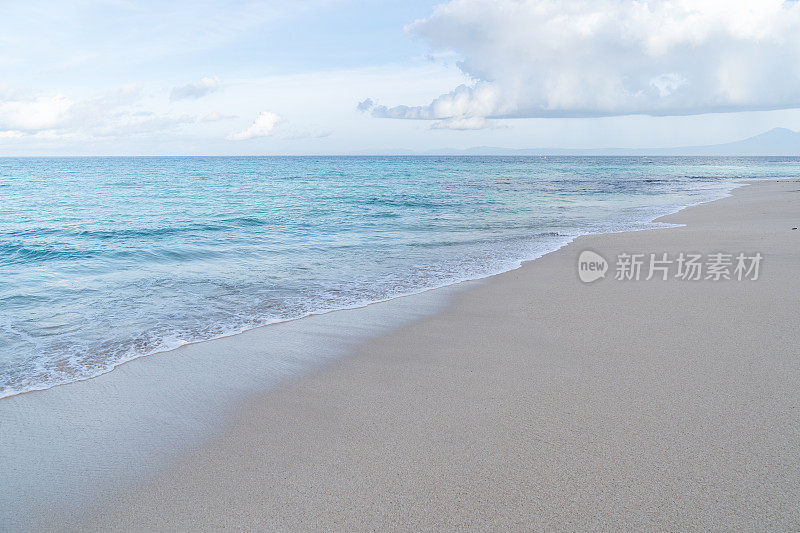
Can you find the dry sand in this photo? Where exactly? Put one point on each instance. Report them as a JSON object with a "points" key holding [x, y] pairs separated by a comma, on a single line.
{"points": [[535, 401]]}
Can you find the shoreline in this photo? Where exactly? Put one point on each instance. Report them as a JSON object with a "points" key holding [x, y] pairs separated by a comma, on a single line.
{"points": [[647, 225], [412, 311], [124, 426], [533, 401]]}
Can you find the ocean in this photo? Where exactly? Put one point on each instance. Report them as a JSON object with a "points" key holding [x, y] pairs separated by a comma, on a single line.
{"points": [[105, 259]]}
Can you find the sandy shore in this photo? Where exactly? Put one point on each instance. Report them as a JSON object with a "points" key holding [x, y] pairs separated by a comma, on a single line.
{"points": [[533, 401]]}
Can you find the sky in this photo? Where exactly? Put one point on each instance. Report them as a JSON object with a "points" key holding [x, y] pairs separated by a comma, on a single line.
{"points": [[116, 77]]}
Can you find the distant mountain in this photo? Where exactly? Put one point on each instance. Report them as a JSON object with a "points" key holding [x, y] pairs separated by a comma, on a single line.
{"points": [[775, 142]]}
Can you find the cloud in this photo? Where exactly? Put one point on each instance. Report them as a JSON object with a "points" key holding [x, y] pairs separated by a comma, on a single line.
{"points": [[587, 58], [114, 114], [193, 91], [263, 126], [463, 123], [366, 105], [44, 112], [216, 116], [140, 125]]}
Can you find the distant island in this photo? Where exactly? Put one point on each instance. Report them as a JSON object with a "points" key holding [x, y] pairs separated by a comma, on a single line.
{"points": [[775, 142]]}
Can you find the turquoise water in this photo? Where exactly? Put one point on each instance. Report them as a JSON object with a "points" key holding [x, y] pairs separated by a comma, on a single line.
{"points": [[106, 259]]}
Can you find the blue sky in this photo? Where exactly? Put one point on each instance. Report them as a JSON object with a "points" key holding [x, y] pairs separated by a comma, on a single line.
{"points": [[119, 77]]}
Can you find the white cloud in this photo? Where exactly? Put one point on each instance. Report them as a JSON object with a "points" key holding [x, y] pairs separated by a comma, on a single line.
{"points": [[584, 58], [194, 91], [263, 126], [216, 116], [667, 84], [115, 114], [130, 125], [32, 115], [463, 123]]}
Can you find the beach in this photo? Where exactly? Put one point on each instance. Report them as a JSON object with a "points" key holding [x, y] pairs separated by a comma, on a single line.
{"points": [[528, 401], [441, 265], [535, 401]]}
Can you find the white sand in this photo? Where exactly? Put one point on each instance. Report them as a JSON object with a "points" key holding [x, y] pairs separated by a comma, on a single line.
{"points": [[532, 401]]}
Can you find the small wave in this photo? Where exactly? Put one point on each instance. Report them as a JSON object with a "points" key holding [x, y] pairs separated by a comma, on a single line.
{"points": [[163, 255], [246, 221], [399, 202], [34, 232], [507, 239], [19, 253], [166, 231]]}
